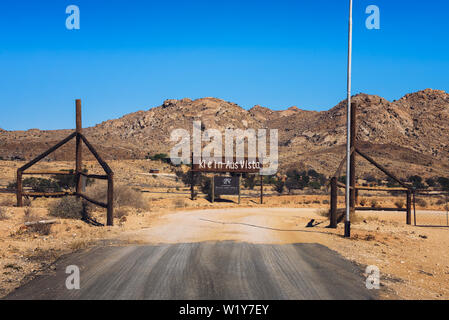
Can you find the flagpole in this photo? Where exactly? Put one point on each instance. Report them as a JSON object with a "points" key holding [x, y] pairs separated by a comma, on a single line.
{"points": [[348, 130]]}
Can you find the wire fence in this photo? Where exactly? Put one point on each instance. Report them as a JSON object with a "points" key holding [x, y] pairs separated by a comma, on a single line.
{"points": [[431, 209]]}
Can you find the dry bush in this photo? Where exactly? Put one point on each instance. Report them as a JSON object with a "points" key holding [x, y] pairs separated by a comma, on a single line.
{"points": [[323, 212], [3, 214], [30, 215], [7, 202], [124, 196], [363, 202], [180, 203], [78, 245], [121, 212], [27, 202], [42, 229], [325, 201], [421, 203], [374, 204], [68, 208], [399, 204]]}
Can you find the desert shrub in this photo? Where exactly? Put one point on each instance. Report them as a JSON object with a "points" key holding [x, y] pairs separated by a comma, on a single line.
{"points": [[30, 215], [431, 182], [124, 196], [440, 202], [444, 183], [42, 229], [279, 186], [3, 214], [399, 204], [269, 179], [422, 203], [325, 201], [7, 202], [68, 182], [323, 212], [186, 177], [37, 185], [417, 182], [68, 208], [374, 204], [362, 202], [250, 181], [206, 187], [315, 185], [159, 157], [120, 212], [27, 202]]}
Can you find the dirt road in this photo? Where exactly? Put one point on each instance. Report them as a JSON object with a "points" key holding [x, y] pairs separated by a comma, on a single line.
{"points": [[189, 255]]}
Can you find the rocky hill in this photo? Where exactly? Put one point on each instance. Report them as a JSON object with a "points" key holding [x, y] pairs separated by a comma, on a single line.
{"points": [[410, 136]]}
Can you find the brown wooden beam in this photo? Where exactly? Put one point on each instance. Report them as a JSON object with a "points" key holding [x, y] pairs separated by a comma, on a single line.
{"points": [[333, 202], [408, 218], [19, 188], [95, 176], [110, 205], [381, 168], [379, 209], [79, 147], [47, 194], [103, 164], [48, 172], [46, 153], [98, 203]]}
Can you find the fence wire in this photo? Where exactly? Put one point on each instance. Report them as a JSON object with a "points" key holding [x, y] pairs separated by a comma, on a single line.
{"points": [[431, 209]]}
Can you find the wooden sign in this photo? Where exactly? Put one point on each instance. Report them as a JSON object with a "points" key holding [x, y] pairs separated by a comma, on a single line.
{"points": [[226, 186], [236, 166]]}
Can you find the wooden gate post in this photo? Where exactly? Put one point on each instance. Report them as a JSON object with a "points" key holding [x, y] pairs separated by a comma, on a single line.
{"points": [[240, 180], [19, 188], [110, 203], [261, 189], [78, 160], [192, 185], [409, 207], [333, 202], [352, 191], [213, 189]]}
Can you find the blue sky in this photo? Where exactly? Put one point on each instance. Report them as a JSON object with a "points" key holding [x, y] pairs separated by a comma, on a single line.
{"points": [[132, 55]]}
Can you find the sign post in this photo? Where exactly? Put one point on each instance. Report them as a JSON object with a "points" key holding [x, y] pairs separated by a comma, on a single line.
{"points": [[212, 184]]}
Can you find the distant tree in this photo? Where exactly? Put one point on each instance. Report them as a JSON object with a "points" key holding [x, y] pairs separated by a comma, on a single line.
{"points": [[431, 182], [312, 173], [416, 182], [249, 181], [279, 186], [68, 182], [269, 179], [444, 183]]}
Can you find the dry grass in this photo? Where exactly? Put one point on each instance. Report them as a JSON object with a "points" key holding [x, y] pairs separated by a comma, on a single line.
{"points": [[121, 212], [3, 214], [7, 202], [399, 204], [180, 203], [68, 208], [79, 245], [124, 196], [30, 215]]}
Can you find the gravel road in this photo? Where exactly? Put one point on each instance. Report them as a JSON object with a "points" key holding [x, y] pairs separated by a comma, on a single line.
{"points": [[203, 270]]}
